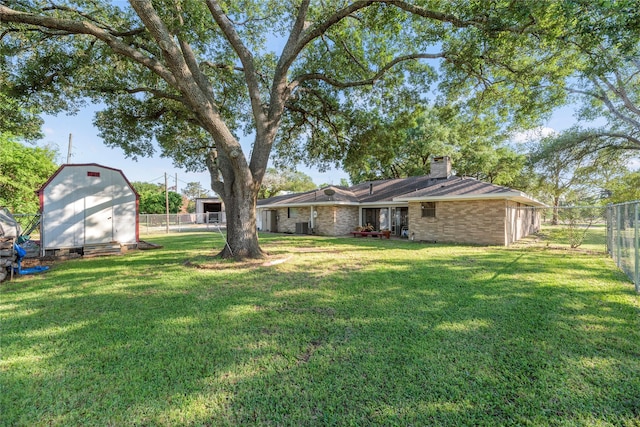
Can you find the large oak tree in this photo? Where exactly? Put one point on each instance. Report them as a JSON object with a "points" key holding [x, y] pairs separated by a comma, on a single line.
{"points": [[194, 76]]}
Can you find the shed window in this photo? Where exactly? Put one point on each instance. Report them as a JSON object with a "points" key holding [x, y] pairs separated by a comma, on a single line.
{"points": [[428, 209], [96, 174]]}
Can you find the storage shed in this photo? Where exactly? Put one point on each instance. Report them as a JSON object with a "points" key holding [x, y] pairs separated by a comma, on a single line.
{"points": [[210, 210], [85, 207]]}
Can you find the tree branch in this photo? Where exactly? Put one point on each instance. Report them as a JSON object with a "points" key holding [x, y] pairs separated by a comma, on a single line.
{"points": [[246, 58], [370, 81], [279, 90], [75, 11], [618, 135], [156, 93], [214, 171], [478, 22], [611, 107], [191, 61], [620, 90], [221, 66], [75, 27]]}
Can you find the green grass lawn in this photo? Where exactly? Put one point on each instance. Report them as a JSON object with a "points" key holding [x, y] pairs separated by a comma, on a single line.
{"points": [[591, 237], [329, 331]]}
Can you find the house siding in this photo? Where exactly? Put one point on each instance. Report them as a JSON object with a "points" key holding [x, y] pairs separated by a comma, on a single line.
{"points": [[288, 217], [476, 221], [336, 220], [522, 221]]}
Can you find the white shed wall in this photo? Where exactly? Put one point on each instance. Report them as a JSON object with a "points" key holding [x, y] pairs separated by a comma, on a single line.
{"points": [[78, 209]]}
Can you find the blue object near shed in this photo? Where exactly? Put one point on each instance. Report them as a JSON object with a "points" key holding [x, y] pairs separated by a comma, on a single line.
{"points": [[19, 270]]}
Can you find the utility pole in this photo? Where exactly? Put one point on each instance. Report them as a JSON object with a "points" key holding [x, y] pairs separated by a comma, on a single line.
{"points": [[69, 150], [166, 199], [180, 207]]}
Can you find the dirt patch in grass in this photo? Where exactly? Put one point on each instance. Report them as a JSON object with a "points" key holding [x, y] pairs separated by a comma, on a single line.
{"points": [[310, 249], [215, 263]]}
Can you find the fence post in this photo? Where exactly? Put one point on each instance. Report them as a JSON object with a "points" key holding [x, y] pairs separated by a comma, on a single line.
{"points": [[636, 278], [608, 229], [618, 237]]}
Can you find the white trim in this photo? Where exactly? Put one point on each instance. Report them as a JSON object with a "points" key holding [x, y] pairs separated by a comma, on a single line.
{"points": [[388, 203]]}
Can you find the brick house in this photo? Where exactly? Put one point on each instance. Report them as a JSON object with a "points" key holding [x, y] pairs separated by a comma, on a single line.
{"points": [[437, 207]]}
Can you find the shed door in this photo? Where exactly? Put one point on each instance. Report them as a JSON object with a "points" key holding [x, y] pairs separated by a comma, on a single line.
{"points": [[98, 220]]}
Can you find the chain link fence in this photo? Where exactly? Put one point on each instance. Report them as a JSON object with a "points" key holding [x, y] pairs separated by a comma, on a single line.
{"points": [[567, 227], [612, 229], [623, 238], [162, 223]]}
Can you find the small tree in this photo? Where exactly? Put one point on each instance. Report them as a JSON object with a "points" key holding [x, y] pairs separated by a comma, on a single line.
{"points": [[153, 198], [624, 189], [276, 181], [23, 169], [576, 222], [193, 191], [155, 203]]}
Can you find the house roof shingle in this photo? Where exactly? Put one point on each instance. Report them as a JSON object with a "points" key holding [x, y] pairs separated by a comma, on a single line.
{"points": [[402, 190], [463, 188]]}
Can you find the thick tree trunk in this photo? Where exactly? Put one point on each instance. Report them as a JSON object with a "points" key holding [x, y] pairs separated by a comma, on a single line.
{"points": [[242, 231]]}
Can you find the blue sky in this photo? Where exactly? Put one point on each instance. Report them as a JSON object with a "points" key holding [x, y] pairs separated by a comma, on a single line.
{"points": [[88, 147]]}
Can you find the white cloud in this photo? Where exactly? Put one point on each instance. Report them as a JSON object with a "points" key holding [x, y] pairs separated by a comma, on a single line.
{"points": [[532, 134], [48, 131]]}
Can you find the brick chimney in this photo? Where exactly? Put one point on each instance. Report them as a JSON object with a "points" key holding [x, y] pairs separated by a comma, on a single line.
{"points": [[440, 167]]}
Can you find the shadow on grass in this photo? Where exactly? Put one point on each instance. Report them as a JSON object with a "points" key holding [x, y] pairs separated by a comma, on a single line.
{"points": [[364, 333]]}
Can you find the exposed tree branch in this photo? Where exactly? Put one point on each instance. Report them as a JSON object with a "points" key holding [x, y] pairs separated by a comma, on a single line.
{"points": [[76, 27], [478, 21], [191, 61], [366, 82], [616, 135], [77, 12], [199, 100], [352, 56], [619, 89], [611, 107], [157, 93], [212, 163], [246, 58], [221, 66], [279, 90]]}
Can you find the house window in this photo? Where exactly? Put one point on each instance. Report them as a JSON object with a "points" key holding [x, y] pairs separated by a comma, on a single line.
{"points": [[428, 209], [292, 213]]}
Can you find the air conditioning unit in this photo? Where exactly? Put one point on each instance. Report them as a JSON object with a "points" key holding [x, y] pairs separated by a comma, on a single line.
{"points": [[302, 228]]}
